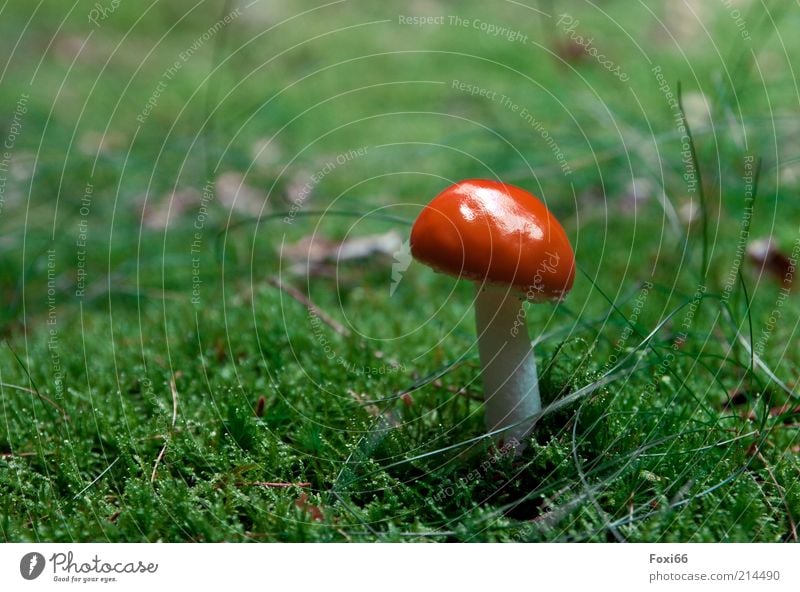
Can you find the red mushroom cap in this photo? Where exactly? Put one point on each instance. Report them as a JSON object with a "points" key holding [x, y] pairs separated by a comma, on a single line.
{"points": [[496, 233]]}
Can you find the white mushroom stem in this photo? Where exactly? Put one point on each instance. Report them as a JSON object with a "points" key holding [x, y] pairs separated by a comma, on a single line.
{"points": [[510, 383]]}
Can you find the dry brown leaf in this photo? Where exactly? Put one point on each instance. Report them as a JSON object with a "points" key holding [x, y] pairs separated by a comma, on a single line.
{"points": [[235, 194], [302, 503], [790, 411], [765, 254], [736, 398], [70, 47], [266, 154], [300, 188], [685, 20], [166, 211], [260, 404], [316, 255], [639, 191], [570, 51], [92, 143]]}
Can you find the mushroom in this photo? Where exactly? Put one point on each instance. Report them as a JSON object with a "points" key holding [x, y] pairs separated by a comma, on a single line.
{"points": [[509, 244]]}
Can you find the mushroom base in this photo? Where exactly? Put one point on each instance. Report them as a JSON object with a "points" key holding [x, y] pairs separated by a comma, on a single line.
{"points": [[510, 382]]}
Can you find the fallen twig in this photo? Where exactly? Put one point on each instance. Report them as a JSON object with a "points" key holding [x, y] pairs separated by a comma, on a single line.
{"points": [[279, 485], [312, 308]]}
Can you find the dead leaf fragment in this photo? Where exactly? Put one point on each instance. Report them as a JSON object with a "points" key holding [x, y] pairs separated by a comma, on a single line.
{"points": [[303, 504], [260, 404], [639, 191], [235, 194], [165, 211], [765, 254], [266, 154], [92, 143], [317, 255]]}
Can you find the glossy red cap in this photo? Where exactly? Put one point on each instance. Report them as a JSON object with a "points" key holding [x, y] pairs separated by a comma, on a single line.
{"points": [[496, 233]]}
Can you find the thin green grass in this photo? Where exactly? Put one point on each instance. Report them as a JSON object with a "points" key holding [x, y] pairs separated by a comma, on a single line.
{"points": [[139, 415]]}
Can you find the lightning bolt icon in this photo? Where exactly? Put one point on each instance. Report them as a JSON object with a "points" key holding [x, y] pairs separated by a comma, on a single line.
{"points": [[34, 561]]}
